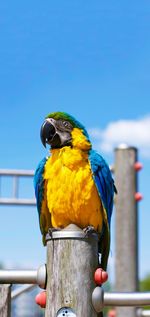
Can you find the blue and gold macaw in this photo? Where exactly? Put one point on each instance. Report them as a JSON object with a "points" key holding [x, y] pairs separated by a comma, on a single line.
{"points": [[74, 184]]}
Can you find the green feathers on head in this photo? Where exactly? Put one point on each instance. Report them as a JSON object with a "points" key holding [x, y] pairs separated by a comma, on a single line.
{"points": [[71, 119]]}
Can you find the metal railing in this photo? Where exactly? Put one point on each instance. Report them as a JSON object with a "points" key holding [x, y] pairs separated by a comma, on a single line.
{"points": [[20, 290], [16, 175], [24, 276], [101, 299]]}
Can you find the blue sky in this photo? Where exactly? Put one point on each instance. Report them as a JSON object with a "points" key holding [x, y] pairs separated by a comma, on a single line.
{"points": [[90, 59]]}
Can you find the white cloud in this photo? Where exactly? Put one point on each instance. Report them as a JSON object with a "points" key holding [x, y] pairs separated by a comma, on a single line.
{"points": [[132, 132]]}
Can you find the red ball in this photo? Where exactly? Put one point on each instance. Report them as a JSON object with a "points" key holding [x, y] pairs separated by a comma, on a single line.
{"points": [[138, 196], [138, 166], [100, 276], [40, 299], [112, 313]]}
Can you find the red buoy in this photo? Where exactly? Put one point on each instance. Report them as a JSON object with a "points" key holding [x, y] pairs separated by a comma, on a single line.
{"points": [[40, 299], [138, 166], [138, 196], [100, 276]]}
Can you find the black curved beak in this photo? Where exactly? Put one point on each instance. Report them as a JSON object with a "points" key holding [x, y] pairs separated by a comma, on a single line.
{"points": [[47, 132]]}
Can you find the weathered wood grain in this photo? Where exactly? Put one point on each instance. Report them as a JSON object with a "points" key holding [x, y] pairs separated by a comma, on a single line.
{"points": [[126, 260], [5, 300], [71, 264]]}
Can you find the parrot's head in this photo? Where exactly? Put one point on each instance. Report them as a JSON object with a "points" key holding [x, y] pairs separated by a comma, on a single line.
{"points": [[61, 129]]}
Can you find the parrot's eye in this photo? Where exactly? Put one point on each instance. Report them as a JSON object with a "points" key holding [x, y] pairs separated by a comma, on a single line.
{"points": [[66, 124]]}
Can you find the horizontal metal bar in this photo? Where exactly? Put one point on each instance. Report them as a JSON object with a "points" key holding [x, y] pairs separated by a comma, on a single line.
{"points": [[13, 172], [28, 173], [20, 290], [18, 276], [18, 201], [127, 299], [24, 276], [101, 299]]}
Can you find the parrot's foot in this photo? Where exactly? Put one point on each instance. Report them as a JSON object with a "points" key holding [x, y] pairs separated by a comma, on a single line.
{"points": [[89, 230]]}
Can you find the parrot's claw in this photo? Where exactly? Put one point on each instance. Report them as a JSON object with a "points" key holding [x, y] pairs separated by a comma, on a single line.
{"points": [[89, 230], [51, 230]]}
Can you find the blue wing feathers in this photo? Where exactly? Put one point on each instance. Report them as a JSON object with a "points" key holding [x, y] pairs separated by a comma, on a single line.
{"points": [[103, 180], [39, 183]]}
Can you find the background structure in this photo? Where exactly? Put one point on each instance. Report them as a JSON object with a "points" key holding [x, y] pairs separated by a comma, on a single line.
{"points": [[91, 60]]}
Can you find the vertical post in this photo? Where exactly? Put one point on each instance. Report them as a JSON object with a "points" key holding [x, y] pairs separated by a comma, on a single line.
{"points": [[126, 266], [5, 300], [15, 187], [72, 260]]}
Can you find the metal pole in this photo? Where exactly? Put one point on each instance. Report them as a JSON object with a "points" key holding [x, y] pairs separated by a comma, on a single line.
{"points": [[11, 172], [127, 299], [101, 299], [18, 276], [18, 201], [24, 276], [126, 266], [72, 259], [20, 290], [15, 186]]}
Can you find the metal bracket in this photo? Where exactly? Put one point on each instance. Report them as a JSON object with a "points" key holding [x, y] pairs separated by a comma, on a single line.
{"points": [[98, 299], [70, 232], [42, 276]]}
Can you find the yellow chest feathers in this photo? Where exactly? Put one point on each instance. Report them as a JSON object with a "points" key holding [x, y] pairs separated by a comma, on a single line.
{"points": [[71, 193]]}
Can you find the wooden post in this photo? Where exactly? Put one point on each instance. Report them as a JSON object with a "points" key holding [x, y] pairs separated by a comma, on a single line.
{"points": [[72, 260], [5, 300], [126, 263]]}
